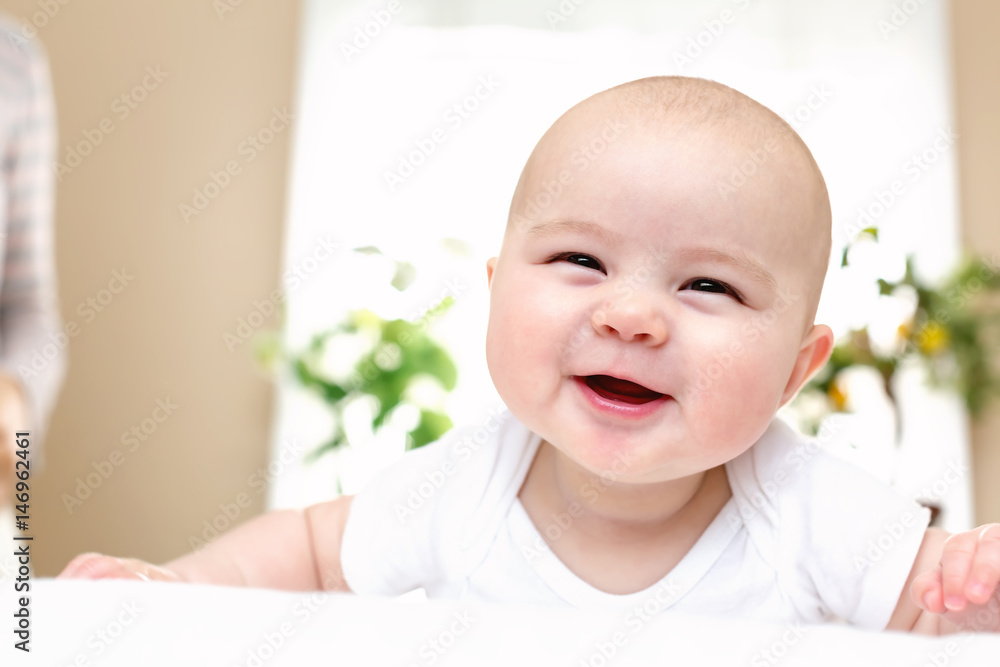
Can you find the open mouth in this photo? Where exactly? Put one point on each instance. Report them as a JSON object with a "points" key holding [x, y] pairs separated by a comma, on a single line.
{"points": [[615, 389]]}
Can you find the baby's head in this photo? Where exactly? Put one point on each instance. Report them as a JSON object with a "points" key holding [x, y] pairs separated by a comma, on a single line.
{"points": [[654, 296]]}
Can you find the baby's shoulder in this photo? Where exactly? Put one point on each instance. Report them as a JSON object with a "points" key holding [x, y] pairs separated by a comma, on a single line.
{"points": [[462, 479], [787, 478], [784, 458], [433, 513]]}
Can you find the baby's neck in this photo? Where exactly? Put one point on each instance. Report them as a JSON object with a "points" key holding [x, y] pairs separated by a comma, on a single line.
{"points": [[639, 506], [649, 526]]}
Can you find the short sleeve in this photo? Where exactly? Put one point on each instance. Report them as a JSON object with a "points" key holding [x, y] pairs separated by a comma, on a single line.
{"points": [[842, 542], [433, 515]]}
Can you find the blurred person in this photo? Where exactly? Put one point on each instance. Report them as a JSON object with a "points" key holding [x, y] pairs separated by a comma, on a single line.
{"points": [[32, 345]]}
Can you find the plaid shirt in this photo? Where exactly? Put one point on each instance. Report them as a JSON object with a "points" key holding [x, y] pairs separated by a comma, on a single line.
{"points": [[32, 345]]}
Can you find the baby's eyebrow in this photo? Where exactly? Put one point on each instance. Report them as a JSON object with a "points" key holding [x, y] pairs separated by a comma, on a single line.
{"points": [[586, 227], [742, 260]]}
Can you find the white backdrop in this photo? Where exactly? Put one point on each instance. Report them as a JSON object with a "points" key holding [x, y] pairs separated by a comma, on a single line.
{"points": [[865, 82]]}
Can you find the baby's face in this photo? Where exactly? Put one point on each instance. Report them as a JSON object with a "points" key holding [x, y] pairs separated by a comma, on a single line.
{"points": [[643, 314]]}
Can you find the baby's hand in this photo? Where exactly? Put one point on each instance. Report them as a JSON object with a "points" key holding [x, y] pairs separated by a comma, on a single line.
{"points": [[963, 586], [99, 566]]}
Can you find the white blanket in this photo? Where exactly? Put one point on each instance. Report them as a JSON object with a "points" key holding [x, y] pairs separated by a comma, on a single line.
{"points": [[137, 624]]}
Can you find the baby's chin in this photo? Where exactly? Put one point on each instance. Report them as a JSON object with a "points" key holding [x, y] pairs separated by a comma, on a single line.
{"points": [[624, 461]]}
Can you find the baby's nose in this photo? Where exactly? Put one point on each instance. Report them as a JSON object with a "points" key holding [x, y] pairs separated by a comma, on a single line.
{"points": [[632, 319]]}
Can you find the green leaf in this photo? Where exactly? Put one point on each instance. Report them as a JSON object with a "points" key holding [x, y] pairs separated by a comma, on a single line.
{"points": [[431, 427], [330, 391], [457, 247], [335, 442], [434, 361], [404, 276]]}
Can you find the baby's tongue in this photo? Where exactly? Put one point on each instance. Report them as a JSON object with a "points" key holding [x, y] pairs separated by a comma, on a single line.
{"points": [[621, 390]]}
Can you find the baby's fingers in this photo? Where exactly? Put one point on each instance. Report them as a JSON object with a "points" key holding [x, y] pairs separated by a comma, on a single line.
{"points": [[99, 566], [956, 563], [985, 572], [81, 566], [927, 591]]}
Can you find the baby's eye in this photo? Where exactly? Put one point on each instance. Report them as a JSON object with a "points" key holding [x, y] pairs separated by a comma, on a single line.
{"points": [[709, 285], [578, 258]]}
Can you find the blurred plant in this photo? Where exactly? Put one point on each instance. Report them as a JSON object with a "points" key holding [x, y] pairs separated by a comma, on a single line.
{"points": [[400, 355], [950, 333]]}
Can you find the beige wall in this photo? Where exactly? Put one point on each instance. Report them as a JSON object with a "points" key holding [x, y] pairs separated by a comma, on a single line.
{"points": [[975, 25], [162, 337]]}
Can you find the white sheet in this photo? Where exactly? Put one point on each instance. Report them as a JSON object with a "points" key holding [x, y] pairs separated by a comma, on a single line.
{"points": [[176, 624]]}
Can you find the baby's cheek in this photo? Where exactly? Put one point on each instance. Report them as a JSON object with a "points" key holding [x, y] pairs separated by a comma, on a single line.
{"points": [[738, 402]]}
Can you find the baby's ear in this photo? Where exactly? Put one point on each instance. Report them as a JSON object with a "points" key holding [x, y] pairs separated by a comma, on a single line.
{"points": [[491, 264], [816, 348]]}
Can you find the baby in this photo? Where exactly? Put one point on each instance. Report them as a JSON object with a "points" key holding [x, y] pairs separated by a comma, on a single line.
{"points": [[651, 308]]}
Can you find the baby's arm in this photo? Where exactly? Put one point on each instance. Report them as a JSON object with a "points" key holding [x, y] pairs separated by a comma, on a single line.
{"points": [[953, 584], [287, 549]]}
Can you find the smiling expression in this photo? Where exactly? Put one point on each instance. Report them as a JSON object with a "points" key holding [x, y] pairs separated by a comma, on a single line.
{"points": [[638, 309]]}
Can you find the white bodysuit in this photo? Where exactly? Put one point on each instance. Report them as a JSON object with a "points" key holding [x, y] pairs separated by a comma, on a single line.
{"points": [[805, 537]]}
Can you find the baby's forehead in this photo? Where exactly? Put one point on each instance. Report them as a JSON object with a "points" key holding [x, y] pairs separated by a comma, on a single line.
{"points": [[723, 146], [718, 157]]}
